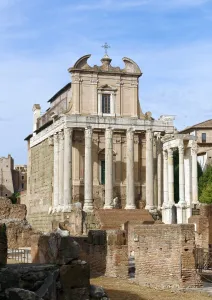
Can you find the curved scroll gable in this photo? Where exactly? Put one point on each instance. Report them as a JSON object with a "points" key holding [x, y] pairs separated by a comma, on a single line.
{"points": [[81, 63], [131, 66]]}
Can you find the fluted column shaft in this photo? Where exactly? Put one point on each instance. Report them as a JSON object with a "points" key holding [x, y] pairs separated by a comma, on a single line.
{"points": [[149, 171], [159, 172], [108, 168], [165, 178], [56, 172], [88, 176], [181, 175], [194, 174], [61, 171], [130, 201], [67, 168], [171, 176]]}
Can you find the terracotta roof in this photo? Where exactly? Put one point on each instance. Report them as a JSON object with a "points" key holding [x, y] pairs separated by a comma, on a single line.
{"points": [[205, 124]]}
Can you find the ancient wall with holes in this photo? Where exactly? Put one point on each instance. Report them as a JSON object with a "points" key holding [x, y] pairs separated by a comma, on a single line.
{"points": [[164, 255]]}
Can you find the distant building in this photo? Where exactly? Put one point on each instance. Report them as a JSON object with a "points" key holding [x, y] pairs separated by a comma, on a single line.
{"points": [[12, 179], [203, 132], [20, 179], [6, 176]]}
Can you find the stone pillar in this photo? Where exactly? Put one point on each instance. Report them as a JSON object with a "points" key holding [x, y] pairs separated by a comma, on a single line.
{"points": [[108, 168], [61, 171], [88, 172], [181, 175], [165, 178], [181, 206], [149, 171], [170, 176], [67, 169], [130, 189], [159, 172], [56, 173], [194, 174]]}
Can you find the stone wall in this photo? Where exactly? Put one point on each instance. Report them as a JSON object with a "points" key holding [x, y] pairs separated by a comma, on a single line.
{"points": [[203, 226], [13, 216], [105, 251], [164, 255]]}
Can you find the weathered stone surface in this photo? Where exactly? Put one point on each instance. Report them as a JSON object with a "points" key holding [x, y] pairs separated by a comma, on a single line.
{"points": [[21, 294], [18, 211], [18, 232], [5, 206], [54, 248], [12, 211], [3, 245], [75, 275], [97, 292]]}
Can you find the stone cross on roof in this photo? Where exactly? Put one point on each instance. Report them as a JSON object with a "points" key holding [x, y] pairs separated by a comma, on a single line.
{"points": [[105, 46]]}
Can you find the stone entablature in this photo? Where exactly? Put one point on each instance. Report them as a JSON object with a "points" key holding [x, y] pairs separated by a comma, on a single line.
{"points": [[96, 122]]}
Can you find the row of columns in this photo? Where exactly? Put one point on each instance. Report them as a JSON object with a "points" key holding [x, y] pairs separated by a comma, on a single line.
{"points": [[168, 184], [63, 170]]}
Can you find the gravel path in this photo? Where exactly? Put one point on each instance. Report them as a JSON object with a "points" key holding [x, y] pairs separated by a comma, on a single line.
{"points": [[119, 289]]}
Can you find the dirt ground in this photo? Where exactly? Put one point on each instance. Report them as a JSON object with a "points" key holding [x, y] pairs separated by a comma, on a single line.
{"points": [[118, 289]]}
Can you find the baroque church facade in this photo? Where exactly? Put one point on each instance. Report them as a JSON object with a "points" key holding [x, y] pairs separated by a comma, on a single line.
{"points": [[95, 146]]}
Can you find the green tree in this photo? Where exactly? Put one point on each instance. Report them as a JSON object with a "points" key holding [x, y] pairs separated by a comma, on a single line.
{"points": [[205, 179], [206, 196], [14, 197]]}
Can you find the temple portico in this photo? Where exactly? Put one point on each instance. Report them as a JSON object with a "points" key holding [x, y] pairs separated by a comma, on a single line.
{"points": [[94, 148]]}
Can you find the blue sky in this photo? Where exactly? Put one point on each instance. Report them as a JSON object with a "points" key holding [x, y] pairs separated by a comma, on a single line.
{"points": [[171, 41]]}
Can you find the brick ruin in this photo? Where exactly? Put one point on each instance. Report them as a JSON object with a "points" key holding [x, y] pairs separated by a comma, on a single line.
{"points": [[163, 254], [18, 229]]}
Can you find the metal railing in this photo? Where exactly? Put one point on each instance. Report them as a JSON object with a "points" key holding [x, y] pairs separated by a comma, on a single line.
{"points": [[203, 259], [20, 255]]}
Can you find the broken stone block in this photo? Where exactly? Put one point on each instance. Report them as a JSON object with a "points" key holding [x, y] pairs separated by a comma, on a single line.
{"points": [[54, 248], [21, 294], [97, 292]]}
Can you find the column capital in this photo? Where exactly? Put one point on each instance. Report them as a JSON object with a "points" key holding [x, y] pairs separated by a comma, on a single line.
{"points": [[88, 132], [170, 152], [61, 135], [165, 154], [68, 131], [56, 137], [194, 148], [109, 133], [181, 149]]}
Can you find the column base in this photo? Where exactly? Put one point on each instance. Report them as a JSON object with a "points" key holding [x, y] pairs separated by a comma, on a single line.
{"points": [[169, 214], [108, 207], [88, 208], [150, 207], [130, 207], [67, 208]]}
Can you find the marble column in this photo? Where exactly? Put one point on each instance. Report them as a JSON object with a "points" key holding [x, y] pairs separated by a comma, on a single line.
{"points": [[181, 205], [108, 168], [181, 175], [56, 173], [88, 171], [194, 173], [149, 171], [67, 169], [159, 172], [61, 171], [171, 176], [165, 178], [130, 189]]}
